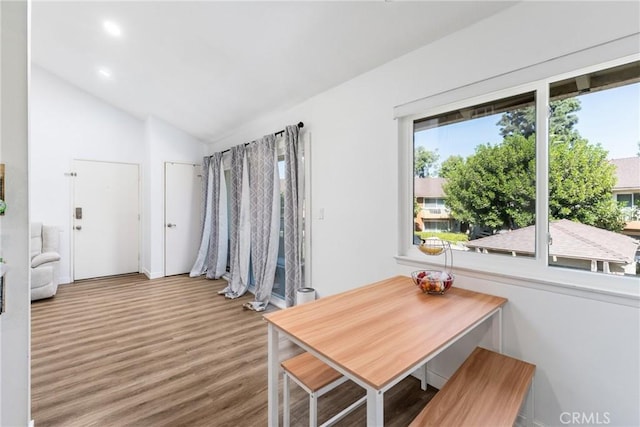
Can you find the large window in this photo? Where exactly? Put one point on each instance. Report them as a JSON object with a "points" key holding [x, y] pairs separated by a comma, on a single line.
{"points": [[594, 132], [476, 167], [483, 161]]}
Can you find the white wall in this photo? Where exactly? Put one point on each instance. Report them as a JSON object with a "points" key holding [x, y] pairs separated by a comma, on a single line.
{"points": [[67, 124], [587, 351], [164, 143], [15, 330]]}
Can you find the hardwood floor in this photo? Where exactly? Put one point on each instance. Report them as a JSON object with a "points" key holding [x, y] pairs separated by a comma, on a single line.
{"points": [[128, 351]]}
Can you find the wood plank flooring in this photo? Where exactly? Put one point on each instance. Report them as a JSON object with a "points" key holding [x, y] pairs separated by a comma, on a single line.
{"points": [[128, 351]]}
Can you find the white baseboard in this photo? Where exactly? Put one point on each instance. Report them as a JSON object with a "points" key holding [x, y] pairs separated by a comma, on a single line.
{"points": [[150, 275], [437, 381], [433, 379], [278, 302], [32, 423], [65, 280], [521, 421]]}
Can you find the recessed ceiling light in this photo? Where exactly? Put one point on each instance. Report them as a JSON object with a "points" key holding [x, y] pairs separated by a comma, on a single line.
{"points": [[112, 28], [105, 73]]}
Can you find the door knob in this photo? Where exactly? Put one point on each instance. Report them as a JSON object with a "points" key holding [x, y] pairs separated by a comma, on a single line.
{"points": [[171, 225]]}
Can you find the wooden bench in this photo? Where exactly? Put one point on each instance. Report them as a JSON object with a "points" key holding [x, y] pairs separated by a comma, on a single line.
{"points": [[487, 390], [316, 378]]}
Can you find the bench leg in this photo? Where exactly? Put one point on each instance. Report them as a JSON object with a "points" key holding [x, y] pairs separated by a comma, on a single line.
{"points": [[496, 330], [529, 405], [286, 410], [423, 377]]}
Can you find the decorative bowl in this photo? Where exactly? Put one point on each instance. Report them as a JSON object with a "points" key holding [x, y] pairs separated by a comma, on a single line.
{"points": [[434, 246], [432, 281]]}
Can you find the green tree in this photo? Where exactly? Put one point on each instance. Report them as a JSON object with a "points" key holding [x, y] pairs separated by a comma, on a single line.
{"points": [[518, 122], [561, 121], [425, 162], [495, 186], [450, 165], [581, 180], [416, 207]]}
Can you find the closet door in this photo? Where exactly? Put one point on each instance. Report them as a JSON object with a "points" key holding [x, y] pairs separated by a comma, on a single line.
{"points": [[182, 217]]}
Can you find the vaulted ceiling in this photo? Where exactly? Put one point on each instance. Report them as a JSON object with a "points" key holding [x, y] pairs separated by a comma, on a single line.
{"points": [[209, 67]]}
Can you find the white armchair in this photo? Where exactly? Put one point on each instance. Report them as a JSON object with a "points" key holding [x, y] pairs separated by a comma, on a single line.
{"points": [[45, 260]]}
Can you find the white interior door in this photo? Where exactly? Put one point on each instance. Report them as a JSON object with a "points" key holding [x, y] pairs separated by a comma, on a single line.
{"points": [[106, 219], [182, 217]]}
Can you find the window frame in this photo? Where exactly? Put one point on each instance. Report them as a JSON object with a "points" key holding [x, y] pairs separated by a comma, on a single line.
{"points": [[625, 194], [529, 272]]}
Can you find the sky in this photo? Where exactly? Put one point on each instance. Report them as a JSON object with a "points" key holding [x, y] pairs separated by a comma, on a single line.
{"points": [[610, 117]]}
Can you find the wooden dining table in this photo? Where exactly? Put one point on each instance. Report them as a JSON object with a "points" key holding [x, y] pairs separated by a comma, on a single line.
{"points": [[376, 335]]}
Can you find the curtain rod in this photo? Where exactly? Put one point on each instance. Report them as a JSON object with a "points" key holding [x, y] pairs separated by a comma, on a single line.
{"points": [[280, 132]]}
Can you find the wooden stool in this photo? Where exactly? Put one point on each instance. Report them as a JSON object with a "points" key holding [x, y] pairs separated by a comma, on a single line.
{"points": [[316, 378], [487, 390]]}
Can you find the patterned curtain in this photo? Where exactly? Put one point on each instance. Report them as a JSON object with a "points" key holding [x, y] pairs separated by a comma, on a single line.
{"points": [[265, 217], [205, 197], [293, 197], [240, 226], [212, 254]]}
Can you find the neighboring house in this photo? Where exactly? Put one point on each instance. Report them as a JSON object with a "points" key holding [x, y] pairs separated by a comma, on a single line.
{"points": [[433, 214], [627, 191], [573, 245]]}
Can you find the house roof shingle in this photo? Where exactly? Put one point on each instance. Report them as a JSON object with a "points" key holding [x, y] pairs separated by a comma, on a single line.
{"points": [[570, 240], [429, 187], [628, 173]]}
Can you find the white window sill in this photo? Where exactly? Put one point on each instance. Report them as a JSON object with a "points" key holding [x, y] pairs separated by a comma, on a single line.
{"points": [[620, 290]]}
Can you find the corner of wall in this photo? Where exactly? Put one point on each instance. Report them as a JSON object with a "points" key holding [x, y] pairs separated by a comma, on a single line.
{"points": [[152, 275]]}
